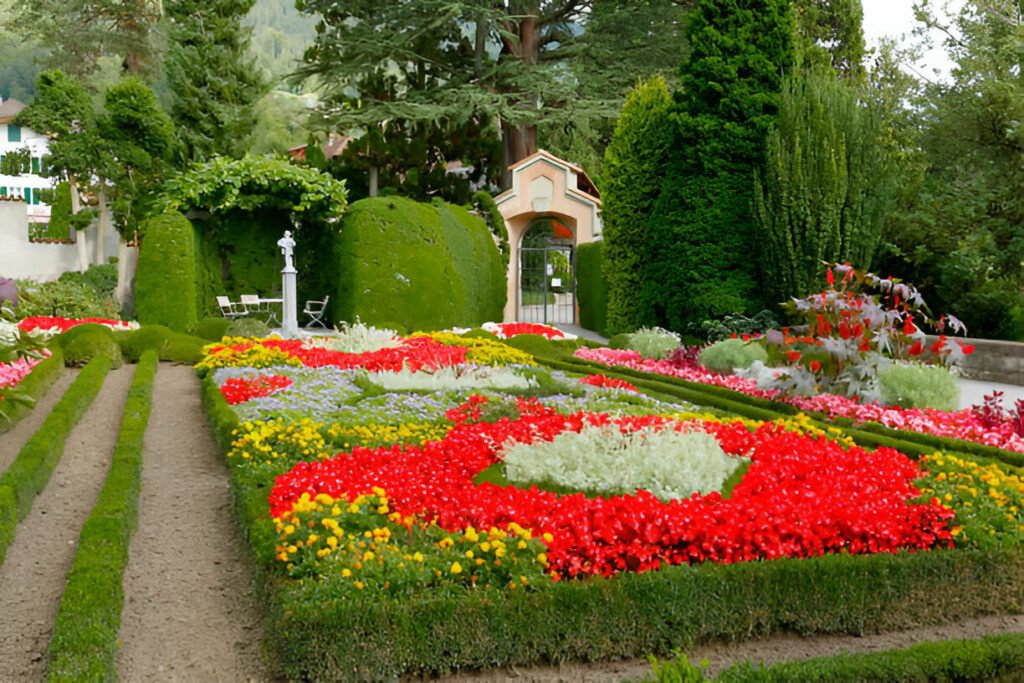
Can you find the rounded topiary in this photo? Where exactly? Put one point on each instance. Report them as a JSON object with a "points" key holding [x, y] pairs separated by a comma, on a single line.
{"points": [[211, 329], [182, 348], [534, 344], [919, 386], [620, 341], [727, 354], [85, 347], [248, 327], [73, 333], [478, 333], [135, 343], [165, 280]]}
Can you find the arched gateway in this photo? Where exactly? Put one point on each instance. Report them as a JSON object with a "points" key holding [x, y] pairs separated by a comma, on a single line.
{"points": [[551, 208]]}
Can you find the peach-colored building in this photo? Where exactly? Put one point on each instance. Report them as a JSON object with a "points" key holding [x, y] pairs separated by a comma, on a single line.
{"points": [[551, 208]]}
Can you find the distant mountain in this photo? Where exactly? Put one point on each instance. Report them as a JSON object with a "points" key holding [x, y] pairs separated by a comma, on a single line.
{"points": [[280, 36]]}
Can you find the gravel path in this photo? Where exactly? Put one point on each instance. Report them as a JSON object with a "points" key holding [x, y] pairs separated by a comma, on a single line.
{"points": [[12, 441], [189, 612], [32, 577]]}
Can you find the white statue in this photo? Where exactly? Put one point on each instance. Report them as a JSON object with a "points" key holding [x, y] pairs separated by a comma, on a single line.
{"points": [[286, 243]]}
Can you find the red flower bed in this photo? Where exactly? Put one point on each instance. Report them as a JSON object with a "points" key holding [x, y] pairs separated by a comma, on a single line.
{"points": [[509, 330], [414, 353], [241, 389], [44, 322], [606, 382], [801, 497]]}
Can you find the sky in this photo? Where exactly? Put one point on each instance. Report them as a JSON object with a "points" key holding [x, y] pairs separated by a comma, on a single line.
{"points": [[895, 18]]}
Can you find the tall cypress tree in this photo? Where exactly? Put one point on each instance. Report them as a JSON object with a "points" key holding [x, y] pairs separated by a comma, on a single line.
{"points": [[213, 81], [702, 229], [634, 165]]}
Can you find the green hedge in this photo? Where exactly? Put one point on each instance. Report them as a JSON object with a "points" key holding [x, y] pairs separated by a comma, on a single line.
{"points": [[999, 657], [600, 619], [83, 644], [422, 266], [484, 203], [592, 287], [165, 281], [34, 385], [28, 474]]}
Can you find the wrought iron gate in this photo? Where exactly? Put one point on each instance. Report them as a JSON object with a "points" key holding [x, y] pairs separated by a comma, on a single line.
{"points": [[547, 284]]}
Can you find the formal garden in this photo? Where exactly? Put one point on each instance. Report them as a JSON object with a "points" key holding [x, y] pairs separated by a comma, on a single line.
{"points": [[750, 446]]}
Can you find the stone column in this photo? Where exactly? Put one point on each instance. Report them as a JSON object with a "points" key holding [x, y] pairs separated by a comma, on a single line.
{"points": [[289, 306]]}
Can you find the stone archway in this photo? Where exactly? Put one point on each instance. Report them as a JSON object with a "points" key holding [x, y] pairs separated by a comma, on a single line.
{"points": [[546, 188]]}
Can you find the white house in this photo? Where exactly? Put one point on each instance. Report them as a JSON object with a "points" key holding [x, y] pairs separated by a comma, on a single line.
{"points": [[14, 138]]}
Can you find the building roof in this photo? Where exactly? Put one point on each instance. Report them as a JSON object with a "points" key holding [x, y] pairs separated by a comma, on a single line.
{"points": [[334, 146], [9, 109], [583, 182]]}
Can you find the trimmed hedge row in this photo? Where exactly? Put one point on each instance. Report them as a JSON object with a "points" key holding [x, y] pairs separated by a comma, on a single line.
{"points": [[165, 282], [83, 644], [991, 658], [601, 619], [31, 470], [34, 385], [592, 286]]}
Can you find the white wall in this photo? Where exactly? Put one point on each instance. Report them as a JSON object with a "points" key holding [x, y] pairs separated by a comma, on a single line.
{"points": [[38, 144], [21, 258]]}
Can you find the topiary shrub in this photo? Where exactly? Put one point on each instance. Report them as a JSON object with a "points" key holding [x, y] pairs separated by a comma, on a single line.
{"points": [[133, 344], [484, 204], [620, 341], [534, 344], [210, 329], [182, 348], [165, 281], [59, 226], [592, 286], [73, 333], [479, 333], [725, 355], [919, 386], [65, 298], [423, 267], [248, 327], [92, 344], [653, 342]]}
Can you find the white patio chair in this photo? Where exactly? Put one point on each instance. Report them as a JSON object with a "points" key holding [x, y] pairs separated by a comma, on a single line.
{"points": [[252, 304], [230, 309], [315, 310]]}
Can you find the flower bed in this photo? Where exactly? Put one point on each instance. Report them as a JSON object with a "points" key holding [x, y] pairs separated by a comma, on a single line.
{"points": [[509, 330], [55, 325], [961, 424], [12, 373]]}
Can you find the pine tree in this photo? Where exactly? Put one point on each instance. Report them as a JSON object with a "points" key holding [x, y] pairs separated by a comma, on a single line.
{"points": [[704, 261], [213, 81], [633, 171]]}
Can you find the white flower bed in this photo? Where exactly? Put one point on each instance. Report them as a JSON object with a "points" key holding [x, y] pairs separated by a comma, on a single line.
{"points": [[670, 464], [454, 378], [357, 338]]}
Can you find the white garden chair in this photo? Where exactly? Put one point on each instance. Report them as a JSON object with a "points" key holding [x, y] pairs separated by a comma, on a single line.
{"points": [[230, 309], [315, 310]]}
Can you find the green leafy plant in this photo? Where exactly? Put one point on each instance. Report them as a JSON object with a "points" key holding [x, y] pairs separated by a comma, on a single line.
{"points": [[735, 324], [729, 354], [248, 327], [67, 299], [919, 386], [653, 342]]}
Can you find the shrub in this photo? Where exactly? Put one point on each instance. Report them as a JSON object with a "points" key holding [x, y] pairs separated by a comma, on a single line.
{"points": [[726, 355], [421, 266], [533, 344], [65, 299], [133, 344], [101, 278], [592, 286], [736, 324], [619, 341], [653, 342], [248, 327], [211, 329], [65, 338], [165, 283], [90, 345], [919, 386], [59, 226]]}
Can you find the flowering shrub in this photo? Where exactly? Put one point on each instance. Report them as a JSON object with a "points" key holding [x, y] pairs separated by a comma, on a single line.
{"points": [[509, 330], [606, 459], [606, 382], [55, 325], [241, 389], [801, 497], [990, 413]]}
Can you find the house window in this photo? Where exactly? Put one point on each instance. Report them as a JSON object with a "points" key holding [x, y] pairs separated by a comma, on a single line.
{"points": [[28, 195], [3, 191], [35, 197], [13, 133], [36, 163]]}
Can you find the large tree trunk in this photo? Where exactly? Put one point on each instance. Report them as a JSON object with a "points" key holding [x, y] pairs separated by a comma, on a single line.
{"points": [[520, 140], [101, 229]]}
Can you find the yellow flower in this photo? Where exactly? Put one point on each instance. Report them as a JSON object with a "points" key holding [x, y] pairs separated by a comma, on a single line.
{"points": [[456, 568]]}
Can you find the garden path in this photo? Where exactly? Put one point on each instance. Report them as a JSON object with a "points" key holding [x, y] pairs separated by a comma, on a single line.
{"points": [[12, 441], [189, 612], [35, 570]]}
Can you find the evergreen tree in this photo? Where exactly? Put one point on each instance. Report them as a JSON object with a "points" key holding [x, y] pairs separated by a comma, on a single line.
{"points": [[702, 229], [831, 33], [633, 173], [214, 84]]}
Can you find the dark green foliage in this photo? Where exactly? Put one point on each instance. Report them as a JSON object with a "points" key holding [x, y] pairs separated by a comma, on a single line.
{"points": [[248, 327], [31, 469], [73, 296], [620, 341], [702, 230], [993, 658], [83, 644], [830, 34], [592, 287], [59, 226], [213, 81], [424, 266], [488, 210], [85, 347], [211, 329], [634, 171], [535, 345], [165, 280], [101, 278], [33, 386]]}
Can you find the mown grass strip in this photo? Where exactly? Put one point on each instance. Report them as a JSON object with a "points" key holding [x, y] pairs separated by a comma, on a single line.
{"points": [[31, 470], [83, 644], [602, 619], [998, 657], [34, 385]]}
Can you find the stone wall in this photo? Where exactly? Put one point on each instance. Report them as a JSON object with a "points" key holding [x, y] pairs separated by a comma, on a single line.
{"points": [[993, 361]]}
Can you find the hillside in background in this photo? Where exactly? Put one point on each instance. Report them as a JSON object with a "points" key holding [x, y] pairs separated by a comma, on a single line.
{"points": [[280, 34]]}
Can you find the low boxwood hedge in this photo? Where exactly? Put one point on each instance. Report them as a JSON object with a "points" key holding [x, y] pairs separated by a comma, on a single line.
{"points": [[33, 386], [28, 474], [599, 619], [83, 644]]}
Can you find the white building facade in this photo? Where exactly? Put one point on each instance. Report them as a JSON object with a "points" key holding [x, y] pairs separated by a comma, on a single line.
{"points": [[28, 184]]}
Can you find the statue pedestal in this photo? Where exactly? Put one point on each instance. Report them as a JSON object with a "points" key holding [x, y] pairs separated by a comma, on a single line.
{"points": [[289, 305]]}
